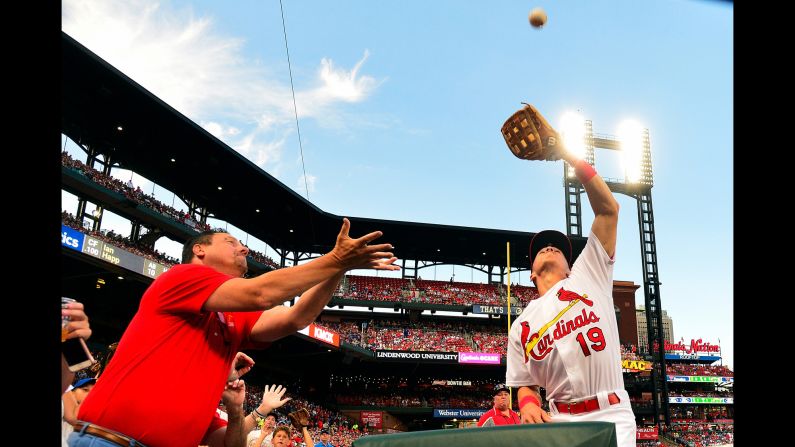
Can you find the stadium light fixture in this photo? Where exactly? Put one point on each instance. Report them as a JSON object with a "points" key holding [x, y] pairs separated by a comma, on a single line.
{"points": [[630, 134], [257, 210], [572, 132], [173, 161], [291, 230], [220, 188], [119, 128]]}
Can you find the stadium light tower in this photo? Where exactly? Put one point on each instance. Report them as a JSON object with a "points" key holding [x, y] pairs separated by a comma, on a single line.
{"points": [[633, 143]]}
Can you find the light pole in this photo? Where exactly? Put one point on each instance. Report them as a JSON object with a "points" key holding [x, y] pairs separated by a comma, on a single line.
{"points": [[633, 143]]}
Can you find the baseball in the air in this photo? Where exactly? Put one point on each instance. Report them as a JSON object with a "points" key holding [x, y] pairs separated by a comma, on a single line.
{"points": [[538, 17]]}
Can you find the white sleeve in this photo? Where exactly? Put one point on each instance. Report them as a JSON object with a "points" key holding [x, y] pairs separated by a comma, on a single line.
{"points": [[516, 373], [595, 264]]}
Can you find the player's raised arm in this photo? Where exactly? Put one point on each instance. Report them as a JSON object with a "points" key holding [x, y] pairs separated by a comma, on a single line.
{"points": [[603, 204]]}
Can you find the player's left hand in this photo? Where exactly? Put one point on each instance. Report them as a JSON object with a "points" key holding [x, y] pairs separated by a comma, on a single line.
{"points": [[533, 414]]}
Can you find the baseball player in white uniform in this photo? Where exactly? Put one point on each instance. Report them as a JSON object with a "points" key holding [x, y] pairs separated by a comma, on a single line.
{"points": [[567, 340]]}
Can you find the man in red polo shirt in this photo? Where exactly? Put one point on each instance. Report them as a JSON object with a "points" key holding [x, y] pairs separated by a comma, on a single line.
{"points": [[190, 324], [500, 413]]}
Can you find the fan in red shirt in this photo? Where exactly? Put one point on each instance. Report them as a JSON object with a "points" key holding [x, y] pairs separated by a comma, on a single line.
{"points": [[191, 322], [500, 413]]}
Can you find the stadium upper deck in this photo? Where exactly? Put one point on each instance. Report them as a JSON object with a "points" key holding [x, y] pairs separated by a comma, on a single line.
{"points": [[97, 99]]}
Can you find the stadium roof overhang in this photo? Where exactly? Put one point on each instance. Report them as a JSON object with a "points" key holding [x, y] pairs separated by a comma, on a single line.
{"points": [[97, 99]]}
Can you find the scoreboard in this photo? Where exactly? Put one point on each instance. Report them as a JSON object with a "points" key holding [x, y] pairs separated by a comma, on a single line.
{"points": [[79, 241]]}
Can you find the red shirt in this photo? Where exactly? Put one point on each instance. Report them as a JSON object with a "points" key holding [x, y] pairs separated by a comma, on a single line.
{"points": [[498, 417], [165, 380]]}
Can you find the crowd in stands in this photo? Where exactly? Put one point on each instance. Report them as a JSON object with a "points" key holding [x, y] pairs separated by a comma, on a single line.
{"points": [[428, 336], [700, 412], [138, 196], [638, 403], [120, 241], [263, 259], [388, 382], [681, 369], [343, 430], [700, 393], [460, 294], [350, 332], [374, 288], [629, 352], [700, 435], [432, 336], [430, 398], [490, 341], [133, 193], [397, 391], [424, 336]]}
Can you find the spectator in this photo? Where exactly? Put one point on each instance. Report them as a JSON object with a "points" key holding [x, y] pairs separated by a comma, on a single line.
{"points": [[71, 400], [500, 413], [198, 315], [76, 325], [263, 436], [324, 439], [281, 437]]}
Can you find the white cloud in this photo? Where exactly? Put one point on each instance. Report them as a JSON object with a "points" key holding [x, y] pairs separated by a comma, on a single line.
{"points": [[341, 84], [260, 152], [220, 131], [202, 73]]}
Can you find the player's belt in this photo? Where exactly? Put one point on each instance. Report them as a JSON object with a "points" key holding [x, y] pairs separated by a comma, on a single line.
{"points": [[108, 435], [585, 406]]}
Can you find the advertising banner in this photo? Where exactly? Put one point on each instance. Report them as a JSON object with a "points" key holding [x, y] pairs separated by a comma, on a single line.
{"points": [[71, 238], [646, 433], [372, 419], [672, 378], [495, 310], [705, 358], [319, 333], [635, 365], [452, 382], [450, 413], [418, 356], [700, 400], [696, 346], [481, 358], [98, 248]]}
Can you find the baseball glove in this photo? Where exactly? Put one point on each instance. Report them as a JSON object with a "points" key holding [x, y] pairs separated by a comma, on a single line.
{"points": [[299, 418], [530, 137]]}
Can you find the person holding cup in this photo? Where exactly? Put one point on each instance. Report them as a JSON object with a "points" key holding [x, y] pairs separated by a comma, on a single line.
{"points": [[74, 324]]}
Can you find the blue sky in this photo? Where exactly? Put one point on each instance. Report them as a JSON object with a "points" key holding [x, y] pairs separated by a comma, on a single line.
{"points": [[400, 106]]}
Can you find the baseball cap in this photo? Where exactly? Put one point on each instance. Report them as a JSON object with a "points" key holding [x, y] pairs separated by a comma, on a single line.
{"points": [[324, 431], [500, 387], [545, 239], [83, 382]]}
